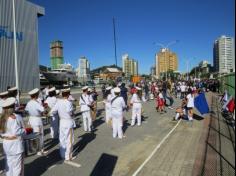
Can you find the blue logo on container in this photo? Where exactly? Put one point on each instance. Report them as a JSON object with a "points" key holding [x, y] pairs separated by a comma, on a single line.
{"points": [[6, 33]]}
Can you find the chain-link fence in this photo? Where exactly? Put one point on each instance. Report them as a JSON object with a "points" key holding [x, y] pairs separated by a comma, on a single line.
{"points": [[219, 156]]}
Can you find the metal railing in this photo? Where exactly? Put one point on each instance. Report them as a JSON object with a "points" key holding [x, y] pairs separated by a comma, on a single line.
{"points": [[219, 156]]}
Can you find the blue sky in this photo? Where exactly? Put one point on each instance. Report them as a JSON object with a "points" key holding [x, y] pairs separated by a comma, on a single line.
{"points": [[85, 27]]}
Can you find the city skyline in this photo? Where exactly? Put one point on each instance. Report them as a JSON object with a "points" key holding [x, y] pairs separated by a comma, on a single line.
{"points": [[85, 27]]}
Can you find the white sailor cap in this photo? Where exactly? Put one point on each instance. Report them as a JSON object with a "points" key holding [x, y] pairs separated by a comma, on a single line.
{"points": [[52, 89], [9, 102], [57, 92], [85, 87], [12, 89], [138, 88], [65, 90], [4, 93], [117, 90], [34, 91], [109, 88]]}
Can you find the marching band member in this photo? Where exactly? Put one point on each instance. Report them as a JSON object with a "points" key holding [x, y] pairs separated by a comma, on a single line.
{"points": [[36, 111], [136, 103], [3, 97], [12, 92], [93, 105], [51, 101], [64, 108], [107, 103], [11, 131], [117, 108], [85, 104]]}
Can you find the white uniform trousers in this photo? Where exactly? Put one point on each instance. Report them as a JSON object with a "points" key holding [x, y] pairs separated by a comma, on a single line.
{"points": [[54, 127], [136, 113], [66, 142], [117, 124], [87, 120], [15, 165], [108, 113], [177, 116]]}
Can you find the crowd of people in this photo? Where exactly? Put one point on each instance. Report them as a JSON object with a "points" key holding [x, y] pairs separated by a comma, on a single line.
{"points": [[59, 107]]}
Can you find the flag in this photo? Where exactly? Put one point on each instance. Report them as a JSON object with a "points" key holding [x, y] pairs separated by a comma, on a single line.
{"points": [[201, 104], [231, 105], [227, 102], [225, 97]]}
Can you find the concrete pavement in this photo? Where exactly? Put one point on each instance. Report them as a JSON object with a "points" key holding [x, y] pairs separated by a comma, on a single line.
{"points": [[100, 154]]}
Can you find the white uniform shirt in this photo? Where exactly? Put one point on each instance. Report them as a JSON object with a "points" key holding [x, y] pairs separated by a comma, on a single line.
{"points": [[13, 128], [34, 108], [64, 108], [117, 107], [183, 88], [51, 101], [71, 98], [190, 103], [1, 102], [112, 93], [84, 103], [135, 99], [108, 100]]}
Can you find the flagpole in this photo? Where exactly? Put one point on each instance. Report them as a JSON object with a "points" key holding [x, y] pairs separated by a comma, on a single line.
{"points": [[15, 50]]}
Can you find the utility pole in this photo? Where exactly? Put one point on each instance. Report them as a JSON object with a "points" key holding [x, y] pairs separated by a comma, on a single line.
{"points": [[15, 49], [114, 34]]}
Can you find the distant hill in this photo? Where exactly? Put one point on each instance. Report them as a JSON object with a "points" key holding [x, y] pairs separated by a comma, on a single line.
{"points": [[103, 68]]}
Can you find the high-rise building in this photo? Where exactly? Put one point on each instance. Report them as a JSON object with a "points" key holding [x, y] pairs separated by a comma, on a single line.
{"points": [[84, 68], [56, 54], [166, 61], [130, 66], [27, 50], [223, 54]]}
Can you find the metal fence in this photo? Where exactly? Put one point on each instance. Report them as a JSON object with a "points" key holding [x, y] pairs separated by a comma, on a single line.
{"points": [[219, 156], [227, 82]]}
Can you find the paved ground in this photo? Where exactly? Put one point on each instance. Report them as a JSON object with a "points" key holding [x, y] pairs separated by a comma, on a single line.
{"points": [[100, 154]]}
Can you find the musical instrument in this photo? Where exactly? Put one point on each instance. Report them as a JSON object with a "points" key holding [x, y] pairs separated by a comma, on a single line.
{"points": [[31, 143]]}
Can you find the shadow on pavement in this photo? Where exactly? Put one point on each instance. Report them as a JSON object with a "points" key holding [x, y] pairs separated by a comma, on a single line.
{"points": [[50, 144], [98, 122], [105, 165], [125, 125], [81, 144], [99, 112], [41, 164], [197, 117]]}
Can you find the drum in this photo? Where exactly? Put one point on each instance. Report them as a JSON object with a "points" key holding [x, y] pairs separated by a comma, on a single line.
{"points": [[31, 143], [46, 120]]}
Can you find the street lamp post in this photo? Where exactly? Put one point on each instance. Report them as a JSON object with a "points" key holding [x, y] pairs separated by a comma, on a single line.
{"points": [[165, 47]]}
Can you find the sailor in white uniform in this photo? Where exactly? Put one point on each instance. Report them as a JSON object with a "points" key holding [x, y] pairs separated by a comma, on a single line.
{"points": [[36, 111], [107, 103], [11, 131], [136, 104], [3, 97], [64, 108], [13, 92], [51, 101], [85, 104], [117, 108]]}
